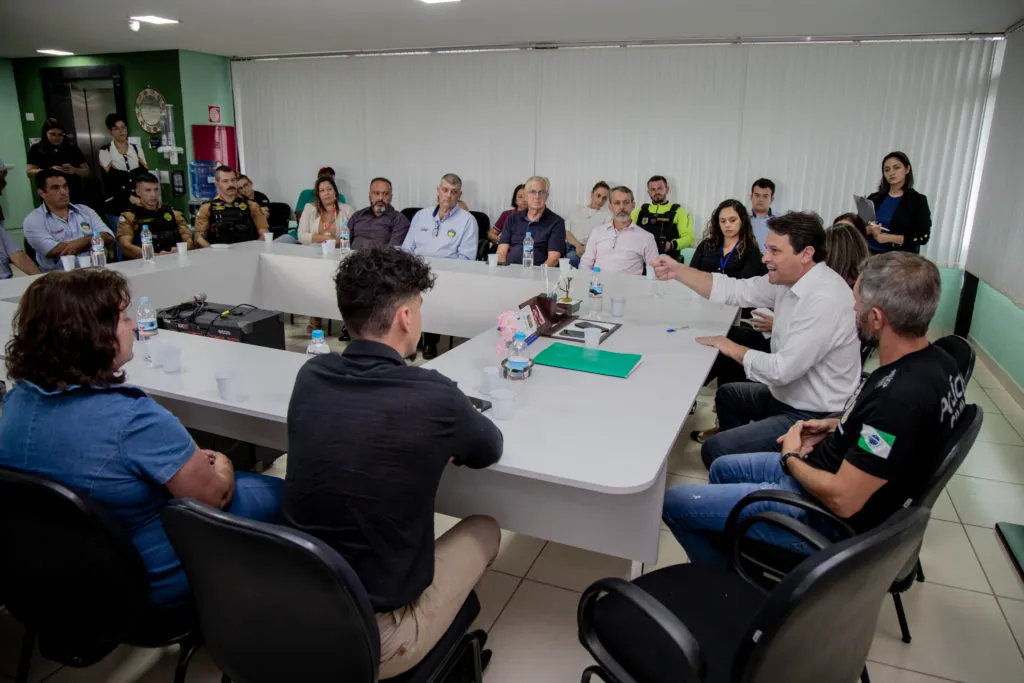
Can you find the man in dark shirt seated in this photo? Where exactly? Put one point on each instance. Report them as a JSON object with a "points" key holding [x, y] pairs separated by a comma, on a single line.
{"points": [[546, 228], [865, 464], [369, 438]]}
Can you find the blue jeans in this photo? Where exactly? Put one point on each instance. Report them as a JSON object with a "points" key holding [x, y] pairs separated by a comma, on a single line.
{"points": [[696, 513], [750, 420], [286, 239], [574, 258]]}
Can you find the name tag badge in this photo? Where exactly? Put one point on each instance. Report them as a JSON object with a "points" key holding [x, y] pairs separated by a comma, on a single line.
{"points": [[451, 233], [86, 228]]}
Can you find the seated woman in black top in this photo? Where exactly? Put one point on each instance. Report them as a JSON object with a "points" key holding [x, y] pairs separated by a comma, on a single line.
{"points": [[729, 245], [903, 221]]}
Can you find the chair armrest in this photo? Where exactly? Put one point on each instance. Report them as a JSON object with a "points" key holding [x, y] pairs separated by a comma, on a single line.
{"points": [[790, 524], [787, 498], [665, 620]]}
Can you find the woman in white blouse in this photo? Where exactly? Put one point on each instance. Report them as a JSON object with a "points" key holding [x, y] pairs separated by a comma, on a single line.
{"points": [[118, 158], [323, 220]]}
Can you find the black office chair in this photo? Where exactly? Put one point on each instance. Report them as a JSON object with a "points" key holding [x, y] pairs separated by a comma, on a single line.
{"points": [[483, 245], [73, 578], [276, 604], [961, 351], [410, 212], [29, 251], [280, 215], [693, 622], [771, 563]]}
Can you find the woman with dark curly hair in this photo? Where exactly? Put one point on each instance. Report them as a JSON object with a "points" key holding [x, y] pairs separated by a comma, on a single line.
{"points": [[72, 417], [729, 245]]}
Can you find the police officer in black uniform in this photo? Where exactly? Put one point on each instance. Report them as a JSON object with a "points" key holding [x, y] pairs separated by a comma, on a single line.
{"points": [[166, 223], [228, 217]]}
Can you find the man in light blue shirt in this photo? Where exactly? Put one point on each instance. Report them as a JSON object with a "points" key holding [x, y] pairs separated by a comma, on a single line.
{"points": [[762, 194], [445, 230], [58, 227], [442, 231]]}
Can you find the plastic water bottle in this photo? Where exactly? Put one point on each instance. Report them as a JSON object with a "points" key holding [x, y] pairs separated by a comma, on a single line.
{"points": [[147, 244], [99, 251], [317, 345], [146, 322], [518, 362], [528, 251], [343, 235], [596, 293]]}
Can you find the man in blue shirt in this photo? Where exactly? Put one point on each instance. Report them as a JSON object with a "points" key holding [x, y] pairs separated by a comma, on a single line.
{"points": [[762, 194], [58, 227], [544, 225]]}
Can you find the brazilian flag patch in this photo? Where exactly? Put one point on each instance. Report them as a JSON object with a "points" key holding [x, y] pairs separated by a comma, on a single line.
{"points": [[876, 441]]}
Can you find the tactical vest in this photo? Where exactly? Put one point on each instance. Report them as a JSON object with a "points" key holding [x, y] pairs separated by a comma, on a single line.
{"points": [[162, 224], [661, 225], [230, 223]]}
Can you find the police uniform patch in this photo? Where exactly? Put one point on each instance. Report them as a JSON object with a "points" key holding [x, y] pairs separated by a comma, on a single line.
{"points": [[168, 216], [122, 219], [243, 206], [644, 221], [86, 228], [451, 233]]}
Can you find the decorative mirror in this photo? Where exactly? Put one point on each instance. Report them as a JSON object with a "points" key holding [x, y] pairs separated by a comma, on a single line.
{"points": [[150, 107]]}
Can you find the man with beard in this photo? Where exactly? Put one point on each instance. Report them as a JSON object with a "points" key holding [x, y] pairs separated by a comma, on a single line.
{"points": [[378, 224], [878, 453], [620, 246], [59, 227], [228, 217], [166, 224], [671, 226]]}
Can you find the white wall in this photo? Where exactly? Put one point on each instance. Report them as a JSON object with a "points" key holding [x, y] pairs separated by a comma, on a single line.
{"points": [[997, 241], [815, 118]]}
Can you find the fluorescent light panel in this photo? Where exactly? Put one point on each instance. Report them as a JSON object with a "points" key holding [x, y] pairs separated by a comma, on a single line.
{"points": [[151, 19], [56, 53], [437, 2]]}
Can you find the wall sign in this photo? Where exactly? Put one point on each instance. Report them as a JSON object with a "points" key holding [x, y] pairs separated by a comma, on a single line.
{"points": [[214, 112]]}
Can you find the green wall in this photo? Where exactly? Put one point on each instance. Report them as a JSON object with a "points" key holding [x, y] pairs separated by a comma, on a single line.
{"points": [[159, 70], [205, 80], [17, 197], [998, 328]]}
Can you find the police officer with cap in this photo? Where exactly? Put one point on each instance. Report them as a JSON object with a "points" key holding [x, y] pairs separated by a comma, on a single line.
{"points": [[166, 223], [671, 226], [228, 217]]}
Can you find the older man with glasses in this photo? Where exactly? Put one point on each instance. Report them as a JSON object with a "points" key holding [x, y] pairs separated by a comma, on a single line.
{"points": [[544, 225], [442, 231]]}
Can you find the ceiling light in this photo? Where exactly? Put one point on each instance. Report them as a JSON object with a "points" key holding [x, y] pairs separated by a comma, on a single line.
{"points": [[436, 2], [150, 19], [56, 53]]}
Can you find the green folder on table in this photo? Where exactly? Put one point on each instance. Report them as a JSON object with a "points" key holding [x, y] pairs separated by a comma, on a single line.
{"points": [[578, 357]]}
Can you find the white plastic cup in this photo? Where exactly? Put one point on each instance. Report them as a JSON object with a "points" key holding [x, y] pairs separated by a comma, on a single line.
{"points": [[68, 262], [84, 260], [226, 385], [503, 404], [170, 357], [154, 348], [492, 260], [327, 247], [491, 379], [592, 337], [268, 238], [618, 306], [563, 264]]}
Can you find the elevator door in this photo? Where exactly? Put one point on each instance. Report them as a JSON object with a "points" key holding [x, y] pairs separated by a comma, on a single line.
{"points": [[91, 101]]}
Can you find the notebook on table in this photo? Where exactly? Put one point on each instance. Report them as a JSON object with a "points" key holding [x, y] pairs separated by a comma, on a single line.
{"points": [[582, 359]]}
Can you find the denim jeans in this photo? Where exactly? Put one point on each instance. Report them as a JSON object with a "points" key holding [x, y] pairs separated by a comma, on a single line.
{"points": [[286, 239], [574, 258], [696, 513], [750, 420]]}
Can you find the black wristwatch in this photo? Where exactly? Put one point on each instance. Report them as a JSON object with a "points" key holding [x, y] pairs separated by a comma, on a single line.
{"points": [[785, 458]]}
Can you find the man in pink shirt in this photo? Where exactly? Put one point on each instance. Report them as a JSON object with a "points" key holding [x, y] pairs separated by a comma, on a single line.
{"points": [[621, 246]]}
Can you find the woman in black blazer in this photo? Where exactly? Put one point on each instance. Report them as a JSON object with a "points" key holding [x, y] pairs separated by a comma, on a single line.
{"points": [[903, 221], [729, 245]]}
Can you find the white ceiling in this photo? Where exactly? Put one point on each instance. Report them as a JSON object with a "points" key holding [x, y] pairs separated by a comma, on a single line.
{"points": [[272, 27]]}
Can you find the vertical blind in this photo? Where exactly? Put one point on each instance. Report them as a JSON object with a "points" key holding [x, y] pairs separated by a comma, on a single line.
{"points": [[997, 240], [816, 118]]}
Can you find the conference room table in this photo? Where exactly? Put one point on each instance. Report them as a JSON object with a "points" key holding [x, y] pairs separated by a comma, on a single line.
{"points": [[585, 455]]}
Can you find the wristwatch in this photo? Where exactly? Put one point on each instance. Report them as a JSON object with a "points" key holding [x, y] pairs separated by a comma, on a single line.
{"points": [[785, 458]]}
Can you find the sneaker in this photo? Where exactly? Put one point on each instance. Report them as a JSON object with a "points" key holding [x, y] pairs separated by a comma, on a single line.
{"points": [[702, 436], [344, 336]]}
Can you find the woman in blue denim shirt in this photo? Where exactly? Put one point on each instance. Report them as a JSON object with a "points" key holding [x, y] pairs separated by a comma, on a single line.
{"points": [[70, 416]]}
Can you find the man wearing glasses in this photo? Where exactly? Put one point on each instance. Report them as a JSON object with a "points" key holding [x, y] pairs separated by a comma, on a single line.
{"points": [[620, 246], [442, 231], [544, 225]]}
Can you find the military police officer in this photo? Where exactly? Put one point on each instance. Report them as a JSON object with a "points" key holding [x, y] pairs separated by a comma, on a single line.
{"points": [[166, 223], [228, 217], [671, 226]]}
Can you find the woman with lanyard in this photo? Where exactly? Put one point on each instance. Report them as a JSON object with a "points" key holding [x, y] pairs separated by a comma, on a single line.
{"points": [[321, 221], [729, 245], [118, 158], [56, 152], [903, 220]]}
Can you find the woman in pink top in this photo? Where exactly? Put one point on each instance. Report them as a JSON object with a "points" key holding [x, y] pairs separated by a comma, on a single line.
{"points": [[518, 204]]}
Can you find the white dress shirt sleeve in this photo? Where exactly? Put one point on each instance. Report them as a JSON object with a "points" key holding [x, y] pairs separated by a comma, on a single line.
{"points": [[104, 158], [755, 292], [589, 257], [650, 249], [35, 232]]}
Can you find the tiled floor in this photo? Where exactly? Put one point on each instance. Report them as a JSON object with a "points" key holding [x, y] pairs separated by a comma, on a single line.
{"points": [[967, 619]]}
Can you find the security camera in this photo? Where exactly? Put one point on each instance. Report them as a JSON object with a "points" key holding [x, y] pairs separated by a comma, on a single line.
{"points": [[134, 25]]}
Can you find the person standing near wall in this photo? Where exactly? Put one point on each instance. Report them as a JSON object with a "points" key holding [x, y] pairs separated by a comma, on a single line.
{"points": [[903, 221], [118, 158], [56, 151]]}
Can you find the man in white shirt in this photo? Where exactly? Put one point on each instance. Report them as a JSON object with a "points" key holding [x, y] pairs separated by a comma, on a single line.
{"points": [[582, 220], [814, 363], [620, 246]]}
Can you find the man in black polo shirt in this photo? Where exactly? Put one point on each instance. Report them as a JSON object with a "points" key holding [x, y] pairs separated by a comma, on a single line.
{"points": [[368, 440], [865, 464], [544, 225]]}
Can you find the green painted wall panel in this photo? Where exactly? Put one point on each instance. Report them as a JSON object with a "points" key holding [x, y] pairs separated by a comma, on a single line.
{"points": [[17, 197], [998, 327], [205, 81]]}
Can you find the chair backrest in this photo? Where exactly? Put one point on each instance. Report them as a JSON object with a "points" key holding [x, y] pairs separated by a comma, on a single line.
{"points": [[69, 569], [411, 211], [837, 592], [29, 251], [483, 224], [274, 604], [959, 445], [961, 351], [280, 214]]}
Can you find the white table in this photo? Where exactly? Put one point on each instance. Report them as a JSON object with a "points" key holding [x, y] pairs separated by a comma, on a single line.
{"points": [[585, 455]]}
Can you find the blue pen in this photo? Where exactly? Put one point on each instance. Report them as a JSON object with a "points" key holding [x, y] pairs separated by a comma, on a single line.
{"points": [[676, 329]]}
